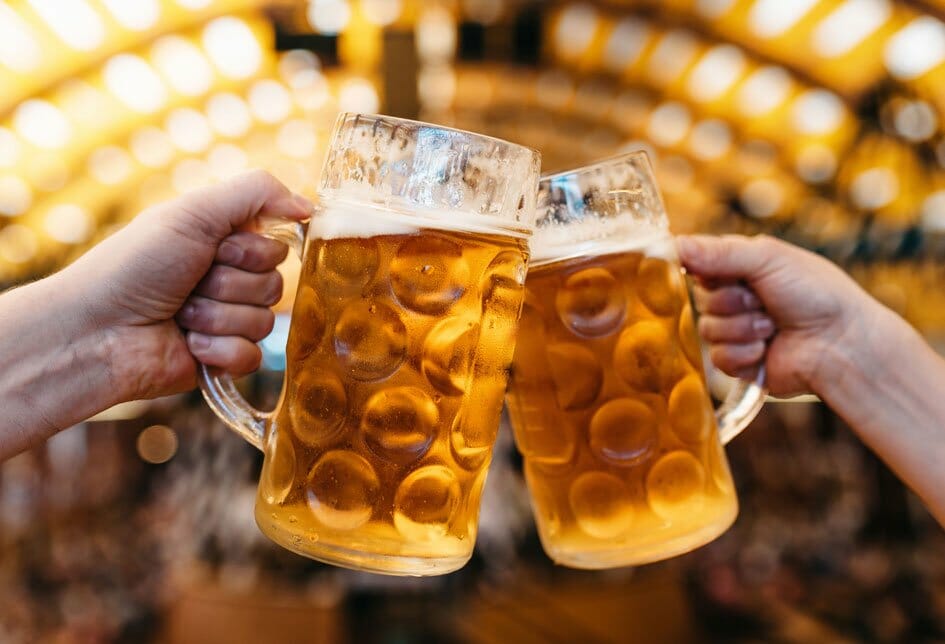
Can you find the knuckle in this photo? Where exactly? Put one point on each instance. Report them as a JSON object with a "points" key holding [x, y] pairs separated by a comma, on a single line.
{"points": [[274, 288]]}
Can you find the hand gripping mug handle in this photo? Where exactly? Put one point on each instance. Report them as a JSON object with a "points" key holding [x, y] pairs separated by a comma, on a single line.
{"points": [[218, 387]]}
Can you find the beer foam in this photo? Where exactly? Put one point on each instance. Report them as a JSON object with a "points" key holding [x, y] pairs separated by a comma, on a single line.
{"points": [[337, 219], [597, 237]]}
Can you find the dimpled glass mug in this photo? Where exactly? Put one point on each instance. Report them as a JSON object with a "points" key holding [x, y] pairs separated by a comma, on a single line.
{"points": [[399, 349], [608, 399]]}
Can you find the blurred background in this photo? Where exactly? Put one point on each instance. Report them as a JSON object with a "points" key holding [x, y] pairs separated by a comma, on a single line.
{"points": [[819, 121]]}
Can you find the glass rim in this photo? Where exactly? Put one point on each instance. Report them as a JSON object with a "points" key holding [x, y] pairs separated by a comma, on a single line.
{"points": [[427, 124], [601, 163]]}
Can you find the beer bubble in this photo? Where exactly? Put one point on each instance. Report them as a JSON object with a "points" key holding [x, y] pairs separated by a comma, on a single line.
{"points": [[346, 266], [689, 338], [342, 489], [689, 412], [429, 274], [317, 404], [601, 505], [279, 472], [577, 374], [675, 486], [644, 357], [591, 303], [399, 423], [426, 503], [658, 285], [370, 340], [501, 285], [309, 323], [623, 432], [448, 352]]}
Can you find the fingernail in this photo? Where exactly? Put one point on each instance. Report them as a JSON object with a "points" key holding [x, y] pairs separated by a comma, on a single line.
{"points": [[763, 326], [199, 342], [750, 300], [230, 253]]}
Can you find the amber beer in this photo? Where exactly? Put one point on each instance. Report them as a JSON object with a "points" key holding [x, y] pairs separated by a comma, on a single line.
{"points": [[611, 413], [397, 362]]}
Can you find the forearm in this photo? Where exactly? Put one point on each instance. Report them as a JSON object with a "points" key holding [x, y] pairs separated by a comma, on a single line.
{"points": [[890, 388], [54, 368]]}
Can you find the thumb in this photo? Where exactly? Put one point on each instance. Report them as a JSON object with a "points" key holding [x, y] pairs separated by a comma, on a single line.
{"points": [[219, 210], [729, 257]]}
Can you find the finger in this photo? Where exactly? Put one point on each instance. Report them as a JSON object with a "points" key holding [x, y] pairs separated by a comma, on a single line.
{"points": [[237, 356], [733, 359], [731, 257], [218, 318], [251, 252], [228, 284], [736, 329], [218, 210], [725, 300]]}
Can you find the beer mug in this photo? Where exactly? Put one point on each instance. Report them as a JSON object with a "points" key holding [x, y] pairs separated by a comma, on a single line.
{"points": [[399, 348], [608, 399]]}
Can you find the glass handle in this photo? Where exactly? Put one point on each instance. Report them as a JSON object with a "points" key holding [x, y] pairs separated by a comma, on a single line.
{"points": [[217, 386], [741, 405]]}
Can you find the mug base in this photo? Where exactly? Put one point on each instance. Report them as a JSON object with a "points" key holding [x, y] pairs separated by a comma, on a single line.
{"points": [[355, 559], [585, 558]]}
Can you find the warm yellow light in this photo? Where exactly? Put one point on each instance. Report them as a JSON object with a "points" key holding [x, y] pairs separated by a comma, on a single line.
{"points": [[626, 43], [358, 95], [328, 16], [669, 124], [436, 85], [152, 147], [771, 18], [762, 197], [874, 188], [671, 56], [85, 104], [297, 63], [110, 165], [816, 163], [849, 25], [916, 48], [436, 34], [189, 130], [74, 21], [381, 12], [157, 444], [485, 12], [42, 124], [269, 101], [576, 27], [766, 89], [17, 244], [710, 139], [916, 121], [15, 195], [68, 223], [297, 138], [229, 115], [933, 212], [135, 83], [190, 174], [226, 159], [183, 64], [713, 9], [716, 72], [194, 4], [50, 173], [311, 90], [137, 15], [232, 47], [18, 48], [9, 148], [817, 111]]}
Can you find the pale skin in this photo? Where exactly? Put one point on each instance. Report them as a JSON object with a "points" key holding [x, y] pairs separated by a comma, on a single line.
{"points": [[186, 279], [817, 331]]}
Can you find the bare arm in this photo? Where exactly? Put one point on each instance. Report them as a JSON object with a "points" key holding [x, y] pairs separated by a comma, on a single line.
{"points": [[817, 331]]}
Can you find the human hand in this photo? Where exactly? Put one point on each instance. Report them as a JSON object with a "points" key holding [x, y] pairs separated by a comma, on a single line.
{"points": [[189, 266], [764, 300]]}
